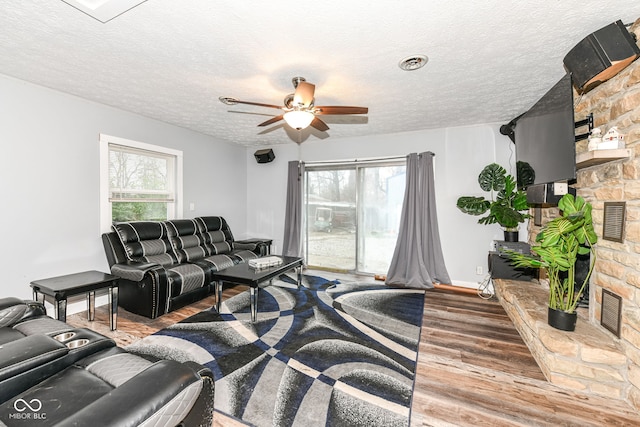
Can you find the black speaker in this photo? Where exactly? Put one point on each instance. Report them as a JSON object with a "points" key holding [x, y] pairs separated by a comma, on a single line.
{"points": [[264, 156], [545, 194], [600, 56]]}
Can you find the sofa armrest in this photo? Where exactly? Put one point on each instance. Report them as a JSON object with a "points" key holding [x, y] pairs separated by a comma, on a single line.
{"points": [[166, 390], [19, 356], [13, 310], [143, 288], [260, 247], [28, 361], [133, 270]]}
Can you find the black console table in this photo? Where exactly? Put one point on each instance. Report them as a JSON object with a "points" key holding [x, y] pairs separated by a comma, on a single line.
{"points": [[500, 265], [87, 282]]}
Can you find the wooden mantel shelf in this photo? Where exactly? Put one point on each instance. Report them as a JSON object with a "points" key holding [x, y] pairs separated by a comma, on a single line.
{"points": [[596, 157]]}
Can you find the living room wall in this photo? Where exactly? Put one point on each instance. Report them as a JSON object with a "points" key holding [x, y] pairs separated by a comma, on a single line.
{"points": [[461, 153], [50, 177], [51, 180]]}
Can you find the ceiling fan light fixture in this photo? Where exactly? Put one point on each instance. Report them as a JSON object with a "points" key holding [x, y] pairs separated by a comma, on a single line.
{"points": [[298, 119], [413, 62]]}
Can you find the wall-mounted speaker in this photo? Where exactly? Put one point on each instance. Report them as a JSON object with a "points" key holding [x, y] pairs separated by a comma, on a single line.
{"points": [[600, 56], [264, 156]]}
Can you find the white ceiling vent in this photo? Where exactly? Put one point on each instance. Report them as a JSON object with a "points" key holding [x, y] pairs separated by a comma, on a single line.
{"points": [[413, 62], [104, 10]]}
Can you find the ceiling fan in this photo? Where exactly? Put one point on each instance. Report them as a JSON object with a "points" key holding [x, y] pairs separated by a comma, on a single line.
{"points": [[299, 107]]}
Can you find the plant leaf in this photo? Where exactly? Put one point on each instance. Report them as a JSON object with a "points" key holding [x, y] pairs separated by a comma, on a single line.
{"points": [[525, 173], [506, 216], [473, 205], [491, 178]]}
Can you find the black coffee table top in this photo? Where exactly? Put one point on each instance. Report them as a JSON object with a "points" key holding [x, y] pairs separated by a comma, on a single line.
{"points": [[244, 275], [73, 284]]}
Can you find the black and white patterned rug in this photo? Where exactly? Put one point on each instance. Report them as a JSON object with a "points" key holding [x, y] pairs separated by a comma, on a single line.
{"points": [[329, 354]]}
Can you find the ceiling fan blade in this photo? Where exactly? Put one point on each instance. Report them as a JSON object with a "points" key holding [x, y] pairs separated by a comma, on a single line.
{"points": [[272, 120], [304, 94], [340, 110], [232, 101], [319, 124]]}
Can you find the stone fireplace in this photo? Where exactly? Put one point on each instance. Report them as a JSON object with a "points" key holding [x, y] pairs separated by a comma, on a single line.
{"points": [[592, 358]]}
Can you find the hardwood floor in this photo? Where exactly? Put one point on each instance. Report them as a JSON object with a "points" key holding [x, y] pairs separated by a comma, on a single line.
{"points": [[473, 368]]}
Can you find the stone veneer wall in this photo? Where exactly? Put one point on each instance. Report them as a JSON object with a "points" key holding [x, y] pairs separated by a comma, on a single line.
{"points": [[615, 103]]}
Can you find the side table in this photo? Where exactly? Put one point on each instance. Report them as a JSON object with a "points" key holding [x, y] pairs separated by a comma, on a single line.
{"points": [[86, 282]]}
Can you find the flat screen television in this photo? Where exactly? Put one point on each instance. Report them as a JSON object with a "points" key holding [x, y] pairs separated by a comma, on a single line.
{"points": [[545, 138]]}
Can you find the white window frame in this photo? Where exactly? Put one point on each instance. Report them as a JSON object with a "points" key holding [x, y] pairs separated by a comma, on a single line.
{"points": [[105, 204]]}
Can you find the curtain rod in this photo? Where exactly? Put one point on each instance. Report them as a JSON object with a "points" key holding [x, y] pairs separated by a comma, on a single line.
{"points": [[377, 159], [371, 160]]}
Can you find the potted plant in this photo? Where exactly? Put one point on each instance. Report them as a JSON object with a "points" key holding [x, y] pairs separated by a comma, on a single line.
{"points": [[557, 248], [507, 205]]}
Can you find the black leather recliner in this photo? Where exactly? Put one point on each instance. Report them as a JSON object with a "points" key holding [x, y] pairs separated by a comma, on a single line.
{"points": [[54, 374], [165, 265]]}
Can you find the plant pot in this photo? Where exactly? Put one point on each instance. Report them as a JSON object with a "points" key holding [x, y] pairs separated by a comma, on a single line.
{"points": [[511, 236], [562, 320]]}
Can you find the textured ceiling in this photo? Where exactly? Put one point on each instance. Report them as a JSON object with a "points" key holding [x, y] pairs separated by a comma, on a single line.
{"points": [[170, 60]]}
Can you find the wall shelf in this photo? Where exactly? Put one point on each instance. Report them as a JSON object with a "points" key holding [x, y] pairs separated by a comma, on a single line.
{"points": [[596, 157]]}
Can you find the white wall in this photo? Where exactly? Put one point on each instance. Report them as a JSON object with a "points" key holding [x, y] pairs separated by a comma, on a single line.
{"points": [[461, 153], [49, 171], [50, 176]]}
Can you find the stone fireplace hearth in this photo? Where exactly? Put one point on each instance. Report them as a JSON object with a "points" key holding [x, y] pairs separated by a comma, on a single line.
{"points": [[588, 359], [592, 358]]}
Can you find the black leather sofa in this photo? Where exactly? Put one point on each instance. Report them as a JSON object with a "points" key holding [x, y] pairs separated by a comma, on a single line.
{"points": [[165, 265], [54, 374]]}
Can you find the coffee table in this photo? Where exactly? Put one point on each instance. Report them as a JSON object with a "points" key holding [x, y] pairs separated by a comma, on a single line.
{"points": [[242, 274], [86, 282]]}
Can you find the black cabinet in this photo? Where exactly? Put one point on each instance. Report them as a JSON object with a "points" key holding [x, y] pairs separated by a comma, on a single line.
{"points": [[500, 265]]}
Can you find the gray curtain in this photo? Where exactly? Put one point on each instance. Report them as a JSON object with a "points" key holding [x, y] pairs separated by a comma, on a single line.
{"points": [[417, 260], [292, 241]]}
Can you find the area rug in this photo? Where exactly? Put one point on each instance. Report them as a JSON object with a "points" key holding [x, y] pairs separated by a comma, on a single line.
{"points": [[327, 354]]}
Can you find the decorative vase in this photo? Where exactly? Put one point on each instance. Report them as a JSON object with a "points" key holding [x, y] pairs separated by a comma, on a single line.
{"points": [[511, 236], [562, 320]]}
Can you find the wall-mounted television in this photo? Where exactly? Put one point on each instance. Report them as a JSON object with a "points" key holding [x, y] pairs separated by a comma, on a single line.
{"points": [[545, 137]]}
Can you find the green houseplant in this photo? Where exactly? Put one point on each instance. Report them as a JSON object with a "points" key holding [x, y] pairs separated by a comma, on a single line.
{"points": [[507, 205], [557, 248]]}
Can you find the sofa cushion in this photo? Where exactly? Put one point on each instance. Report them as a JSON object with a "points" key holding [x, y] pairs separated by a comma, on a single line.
{"points": [[146, 241], [186, 240], [216, 234], [243, 255], [220, 262], [187, 277]]}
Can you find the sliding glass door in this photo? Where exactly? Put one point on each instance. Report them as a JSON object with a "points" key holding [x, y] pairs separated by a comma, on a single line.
{"points": [[353, 213]]}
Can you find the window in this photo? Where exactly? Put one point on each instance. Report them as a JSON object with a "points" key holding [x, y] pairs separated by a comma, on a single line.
{"points": [[138, 181], [353, 214]]}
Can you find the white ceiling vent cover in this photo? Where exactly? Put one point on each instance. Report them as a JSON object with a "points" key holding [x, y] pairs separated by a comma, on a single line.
{"points": [[104, 10], [414, 62]]}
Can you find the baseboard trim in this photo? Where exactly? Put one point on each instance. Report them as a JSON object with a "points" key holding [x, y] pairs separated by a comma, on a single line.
{"points": [[456, 288]]}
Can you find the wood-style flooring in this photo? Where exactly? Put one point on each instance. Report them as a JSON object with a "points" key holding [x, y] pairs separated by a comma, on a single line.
{"points": [[473, 368]]}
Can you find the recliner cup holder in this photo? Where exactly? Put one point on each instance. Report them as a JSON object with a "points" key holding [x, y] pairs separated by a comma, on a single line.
{"points": [[77, 343], [65, 336]]}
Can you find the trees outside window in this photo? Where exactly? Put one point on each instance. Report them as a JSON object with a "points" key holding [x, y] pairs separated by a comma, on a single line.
{"points": [[143, 181], [353, 211]]}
